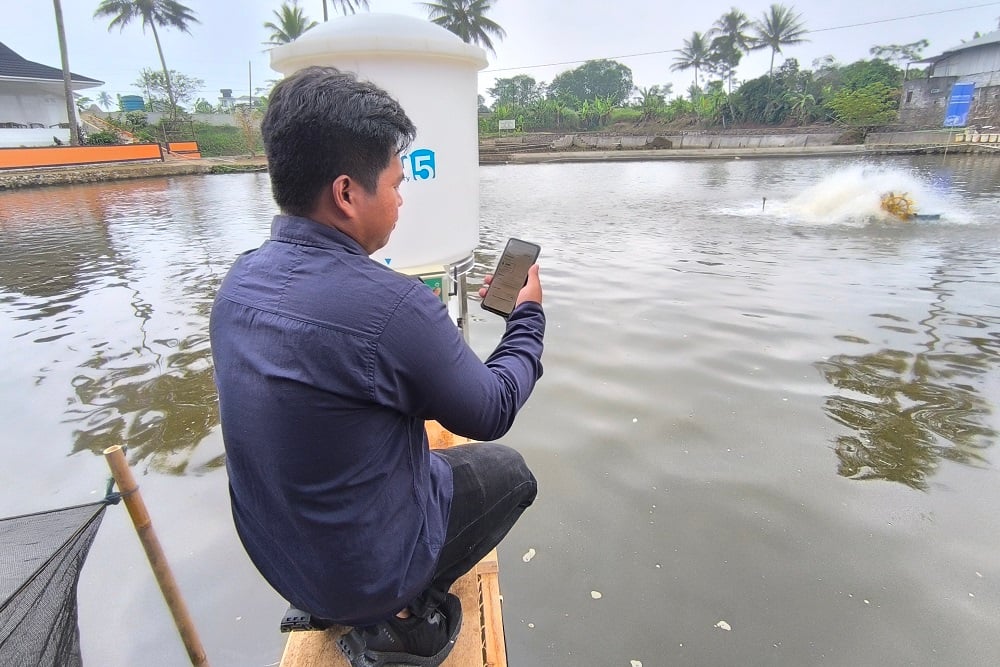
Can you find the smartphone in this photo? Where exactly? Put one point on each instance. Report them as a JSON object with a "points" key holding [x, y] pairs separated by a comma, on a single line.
{"points": [[510, 276]]}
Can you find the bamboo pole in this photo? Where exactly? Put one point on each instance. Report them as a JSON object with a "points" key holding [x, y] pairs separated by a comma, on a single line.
{"points": [[129, 490]]}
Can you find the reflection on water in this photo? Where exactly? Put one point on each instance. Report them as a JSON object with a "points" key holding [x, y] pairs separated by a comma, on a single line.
{"points": [[127, 272], [160, 411], [907, 412], [909, 409]]}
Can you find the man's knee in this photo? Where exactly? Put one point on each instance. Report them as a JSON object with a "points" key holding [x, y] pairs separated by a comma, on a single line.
{"points": [[525, 483]]}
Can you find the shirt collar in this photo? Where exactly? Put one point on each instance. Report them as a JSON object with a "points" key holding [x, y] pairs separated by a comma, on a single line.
{"points": [[303, 231]]}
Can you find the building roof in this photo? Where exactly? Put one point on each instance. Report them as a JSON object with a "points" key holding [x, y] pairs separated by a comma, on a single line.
{"points": [[13, 66], [988, 38]]}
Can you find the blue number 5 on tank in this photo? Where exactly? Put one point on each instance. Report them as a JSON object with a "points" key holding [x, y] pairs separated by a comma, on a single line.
{"points": [[423, 164]]}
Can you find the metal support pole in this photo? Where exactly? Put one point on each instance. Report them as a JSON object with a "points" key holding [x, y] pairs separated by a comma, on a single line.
{"points": [[463, 308], [129, 490]]}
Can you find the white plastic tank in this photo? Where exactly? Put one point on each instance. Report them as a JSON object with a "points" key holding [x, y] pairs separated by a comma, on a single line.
{"points": [[433, 75]]}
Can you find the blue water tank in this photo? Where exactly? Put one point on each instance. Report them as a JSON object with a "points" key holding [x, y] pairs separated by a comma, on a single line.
{"points": [[132, 103]]}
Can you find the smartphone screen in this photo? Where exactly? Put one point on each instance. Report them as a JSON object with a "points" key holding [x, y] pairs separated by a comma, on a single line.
{"points": [[510, 276]]}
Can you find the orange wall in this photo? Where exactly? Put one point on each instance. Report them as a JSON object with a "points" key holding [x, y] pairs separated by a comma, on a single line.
{"points": [[182, 146], [55, 156], [187, 149]]}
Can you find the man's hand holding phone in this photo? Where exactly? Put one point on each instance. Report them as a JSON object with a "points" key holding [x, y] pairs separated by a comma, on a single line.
{"points": [[515, 279], [532, 290]]}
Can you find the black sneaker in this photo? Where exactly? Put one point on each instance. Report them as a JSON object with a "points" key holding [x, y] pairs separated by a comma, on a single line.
{"points": [[420, 642]]}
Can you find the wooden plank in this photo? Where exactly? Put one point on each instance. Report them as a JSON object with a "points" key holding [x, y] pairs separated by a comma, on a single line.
{"points": [[441, 438], [319, 649], [494, 642], [468, 651], [481, 641], [314, 649]]}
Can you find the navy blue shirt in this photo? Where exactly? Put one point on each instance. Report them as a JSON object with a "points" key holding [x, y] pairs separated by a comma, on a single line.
{"points": [[327, 364]]}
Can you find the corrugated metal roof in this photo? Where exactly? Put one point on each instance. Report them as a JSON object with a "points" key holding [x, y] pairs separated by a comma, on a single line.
{"points": [[14, 66], [988, 38]]}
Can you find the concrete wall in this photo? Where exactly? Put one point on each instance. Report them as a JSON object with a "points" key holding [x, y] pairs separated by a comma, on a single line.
{"points": [[925, 100], [26, 103], [30, 137], [918, 138], [601, 142], [207, 118], [926, 138]]}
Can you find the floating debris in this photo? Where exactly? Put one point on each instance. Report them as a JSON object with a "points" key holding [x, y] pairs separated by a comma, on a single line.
{"points": [[596, 595], [635, 663], [722, 625], [528, 555]]}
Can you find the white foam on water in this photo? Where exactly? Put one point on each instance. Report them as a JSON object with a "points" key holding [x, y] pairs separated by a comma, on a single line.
{"points": [[854, 196]]}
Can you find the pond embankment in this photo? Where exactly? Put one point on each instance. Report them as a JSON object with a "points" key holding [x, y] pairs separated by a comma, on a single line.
{"points": [[589, 147], [27, 178], [561, 148]]}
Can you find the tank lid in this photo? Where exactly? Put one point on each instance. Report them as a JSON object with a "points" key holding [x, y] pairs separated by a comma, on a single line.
{"points": [[361, 35]]}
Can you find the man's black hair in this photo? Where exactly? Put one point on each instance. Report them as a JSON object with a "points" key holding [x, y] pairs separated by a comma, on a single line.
{"points": [[322, 123]]}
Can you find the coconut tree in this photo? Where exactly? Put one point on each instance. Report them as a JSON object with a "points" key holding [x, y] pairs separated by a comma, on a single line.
{"points": [[734, 26], [730, 40], [152, 13], [779, 26], [467, 19], [695, 54], [346, 7], [74, 131], [292, 22], [104, 99]]}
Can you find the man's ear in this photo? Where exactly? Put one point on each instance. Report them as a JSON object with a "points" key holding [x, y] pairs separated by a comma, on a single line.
{"points": [[344, 190]]}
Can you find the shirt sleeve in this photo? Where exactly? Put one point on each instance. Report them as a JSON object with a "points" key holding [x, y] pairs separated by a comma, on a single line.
{"points": [[425, 369]]}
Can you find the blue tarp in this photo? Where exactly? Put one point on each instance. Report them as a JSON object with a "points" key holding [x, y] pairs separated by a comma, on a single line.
{"points": [[957, 113]]}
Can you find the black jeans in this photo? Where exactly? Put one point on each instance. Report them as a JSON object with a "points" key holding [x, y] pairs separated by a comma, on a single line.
{"points": [[492, 488]]}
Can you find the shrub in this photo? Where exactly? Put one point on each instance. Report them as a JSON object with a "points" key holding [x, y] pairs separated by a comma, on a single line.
{"points": [[102, 138], [218, 140], [626, 115]]}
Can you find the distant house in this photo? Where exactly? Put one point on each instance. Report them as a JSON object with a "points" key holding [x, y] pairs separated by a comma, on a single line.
{"points": [[978, 61], [228, 103], [33, 101]]}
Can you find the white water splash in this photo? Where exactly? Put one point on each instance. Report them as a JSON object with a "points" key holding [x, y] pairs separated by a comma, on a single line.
{"points": [[854, 195]]}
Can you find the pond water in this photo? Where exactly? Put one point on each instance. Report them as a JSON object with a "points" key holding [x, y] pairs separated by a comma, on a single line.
{"points": [[766, 433]]}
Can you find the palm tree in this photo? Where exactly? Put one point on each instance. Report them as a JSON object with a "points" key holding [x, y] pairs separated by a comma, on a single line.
{"points": [[733, 26], [74, 131], [467, 19], [730, 41], [163, 13], [695, 54], [780, 26], [104, 99], [345, 7], [292, 22]]}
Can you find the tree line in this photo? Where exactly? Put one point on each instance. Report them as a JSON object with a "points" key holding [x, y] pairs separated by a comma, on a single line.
{"points": [[862, 94], [599, 92]]}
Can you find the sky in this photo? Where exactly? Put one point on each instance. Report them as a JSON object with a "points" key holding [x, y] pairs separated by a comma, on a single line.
{"points": [[544, 37]]}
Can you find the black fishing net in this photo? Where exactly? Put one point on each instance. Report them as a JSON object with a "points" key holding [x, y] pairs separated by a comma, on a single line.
{"points": [[41, 556]]}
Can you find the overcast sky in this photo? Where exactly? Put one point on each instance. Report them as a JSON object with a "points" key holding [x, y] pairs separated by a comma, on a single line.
{"points": [[544, 37]]}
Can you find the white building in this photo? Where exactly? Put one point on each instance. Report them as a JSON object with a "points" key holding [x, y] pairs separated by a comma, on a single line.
{"points": [[32, 101], [977, 61]]}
